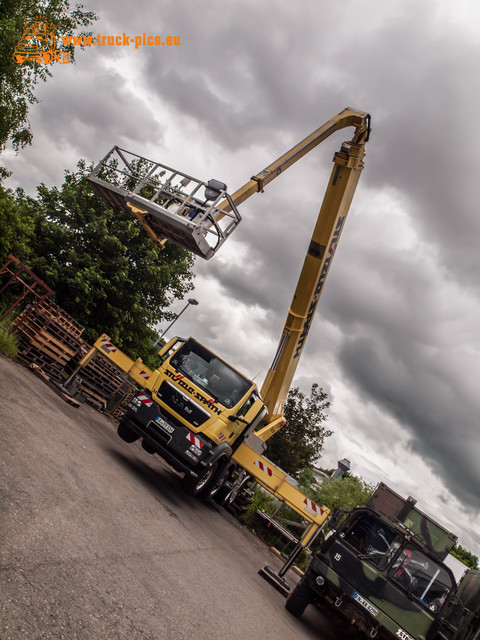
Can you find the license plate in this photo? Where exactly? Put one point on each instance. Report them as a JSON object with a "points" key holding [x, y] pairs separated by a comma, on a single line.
{"points": [[164, 425], [366, 605]]}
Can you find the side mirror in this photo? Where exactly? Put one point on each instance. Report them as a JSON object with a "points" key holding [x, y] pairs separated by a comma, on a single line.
{"points": [[239, 418], [166, 347], [335, 519]]}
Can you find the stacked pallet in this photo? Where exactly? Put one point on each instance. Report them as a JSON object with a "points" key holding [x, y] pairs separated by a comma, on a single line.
{"points": [[100, 382], [118, 403], [50, 338]]}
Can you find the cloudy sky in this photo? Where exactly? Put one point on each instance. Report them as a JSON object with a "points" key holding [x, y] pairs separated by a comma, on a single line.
{"points": [[394, 341]]}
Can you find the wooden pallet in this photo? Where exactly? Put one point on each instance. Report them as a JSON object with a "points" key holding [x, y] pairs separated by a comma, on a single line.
{"points": [[51, 339], [118, 411], [41, 374]]}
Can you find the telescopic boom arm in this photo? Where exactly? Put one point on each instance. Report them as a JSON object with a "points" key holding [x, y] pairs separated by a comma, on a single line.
{"points": [[348, 165]]}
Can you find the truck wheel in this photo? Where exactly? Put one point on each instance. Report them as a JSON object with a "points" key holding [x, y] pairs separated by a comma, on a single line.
{"points": [[300, 598], [149, 448], [196, 486], [215, 486], [126, 433]]}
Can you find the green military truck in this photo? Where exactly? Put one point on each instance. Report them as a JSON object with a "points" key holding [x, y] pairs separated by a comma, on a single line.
{"points": [[383, 570]]}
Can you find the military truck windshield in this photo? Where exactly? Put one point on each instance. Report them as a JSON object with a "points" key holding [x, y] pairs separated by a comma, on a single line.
{"points": [[210, 373], [373, 539], [422, 577]]}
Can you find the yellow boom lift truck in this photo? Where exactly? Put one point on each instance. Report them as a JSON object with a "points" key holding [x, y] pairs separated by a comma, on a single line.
{"points": [[196, 411]]}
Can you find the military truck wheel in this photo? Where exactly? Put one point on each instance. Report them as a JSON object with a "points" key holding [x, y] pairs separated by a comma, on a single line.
{"points": [[300, 598], [198, 485], [126, 433]]}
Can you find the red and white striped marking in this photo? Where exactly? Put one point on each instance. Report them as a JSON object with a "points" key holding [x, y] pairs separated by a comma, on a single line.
{"points": [[194, 440], [145, 399], [222, 437], [263, 467], [312, 508], [107, 345], [144, 374]]}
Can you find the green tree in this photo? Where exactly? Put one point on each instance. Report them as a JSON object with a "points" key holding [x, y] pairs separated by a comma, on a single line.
{"points": [[16, 227], [300, 442], [465, 556], [343, 493], [18, 81], [104, 270]]}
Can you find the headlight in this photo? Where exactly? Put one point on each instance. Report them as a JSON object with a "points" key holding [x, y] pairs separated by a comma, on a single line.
{"points": [[195, 450]]}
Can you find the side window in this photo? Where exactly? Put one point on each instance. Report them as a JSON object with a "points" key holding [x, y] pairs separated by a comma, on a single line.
{"points": [[244, 409]]}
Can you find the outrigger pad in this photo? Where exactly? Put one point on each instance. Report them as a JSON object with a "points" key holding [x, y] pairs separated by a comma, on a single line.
{"points": [[277, 582], [157, 196]]}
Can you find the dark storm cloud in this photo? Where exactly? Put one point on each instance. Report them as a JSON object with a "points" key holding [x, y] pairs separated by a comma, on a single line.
{"points": [[96, 111], [245, 80], [266, 79], [83, 112], [406, 350], [430, 403]]}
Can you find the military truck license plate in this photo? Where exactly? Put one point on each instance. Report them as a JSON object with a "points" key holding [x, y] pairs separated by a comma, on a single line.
{"points": [[366, 605]]}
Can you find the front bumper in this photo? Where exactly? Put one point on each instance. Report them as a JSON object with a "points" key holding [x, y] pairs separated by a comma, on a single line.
{"points": [[172, 447]]}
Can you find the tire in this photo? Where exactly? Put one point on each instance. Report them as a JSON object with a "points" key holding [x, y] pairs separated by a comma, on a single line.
{"points": [[300, 598], [217, 483], [222, 494], [126, 433], [196, 486], [149, 448]]}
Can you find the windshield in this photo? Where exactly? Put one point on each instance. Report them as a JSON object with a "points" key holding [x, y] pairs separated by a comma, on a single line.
{"points": [[210, 373], [422, 577], [373, 539]]}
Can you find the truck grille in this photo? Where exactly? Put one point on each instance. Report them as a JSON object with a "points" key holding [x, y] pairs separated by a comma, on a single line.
{"points": [[182, 404]]}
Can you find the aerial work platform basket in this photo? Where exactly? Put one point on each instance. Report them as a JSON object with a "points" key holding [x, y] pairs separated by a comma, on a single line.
{"points": [[170, 205]]}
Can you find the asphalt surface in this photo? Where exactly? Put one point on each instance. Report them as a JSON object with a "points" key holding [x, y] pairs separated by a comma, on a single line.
{"points": [[99, 541]]}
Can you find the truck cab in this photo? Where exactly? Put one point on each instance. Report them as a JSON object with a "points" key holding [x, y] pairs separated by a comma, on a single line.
{"points": [[383, 570], [194, 413], [377, 574]]}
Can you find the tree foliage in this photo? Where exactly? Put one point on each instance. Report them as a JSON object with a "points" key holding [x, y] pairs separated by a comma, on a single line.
{"points": [[301, 440], [16, 229], [465, 556], [104, 270], [18, 81], [343, 493]]}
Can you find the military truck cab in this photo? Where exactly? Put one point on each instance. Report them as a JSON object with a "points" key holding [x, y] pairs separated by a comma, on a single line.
{"points": [[379, 577], [387, 577]]}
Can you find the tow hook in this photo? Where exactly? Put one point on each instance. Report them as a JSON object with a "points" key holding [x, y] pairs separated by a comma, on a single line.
{"points": [[339, 601], [374, 632]]}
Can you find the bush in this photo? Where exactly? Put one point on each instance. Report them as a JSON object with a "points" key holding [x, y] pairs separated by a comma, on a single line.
{"points": [[8, 342], [261, 500]]}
